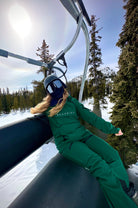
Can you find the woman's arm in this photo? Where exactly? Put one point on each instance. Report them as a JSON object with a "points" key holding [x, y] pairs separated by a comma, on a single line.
{"points": [[94, 120]]}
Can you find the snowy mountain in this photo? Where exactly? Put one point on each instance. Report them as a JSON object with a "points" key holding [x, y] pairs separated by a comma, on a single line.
{"points": [[77, 79]]}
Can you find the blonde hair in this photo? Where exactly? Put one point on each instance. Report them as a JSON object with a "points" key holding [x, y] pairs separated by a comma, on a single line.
{"points": [[43, 106]]}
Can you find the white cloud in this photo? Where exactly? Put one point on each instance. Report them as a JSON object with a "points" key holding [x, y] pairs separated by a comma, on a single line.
{"points": [[17, 77]]}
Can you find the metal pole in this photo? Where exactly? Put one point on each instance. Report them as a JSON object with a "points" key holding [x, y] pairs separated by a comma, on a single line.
{"points": [[63, 52], [86, 60], [73, 10], [28, 60], [76, 34]]}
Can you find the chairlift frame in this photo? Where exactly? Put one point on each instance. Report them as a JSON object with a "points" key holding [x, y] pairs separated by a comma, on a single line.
{"points": [[71, 7]]}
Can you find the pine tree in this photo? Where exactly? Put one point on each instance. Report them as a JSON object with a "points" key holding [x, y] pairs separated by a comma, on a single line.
{"points": [[85, 92], [5, 102], [95, 59], [96, 86], [124, 97], [44, 57], [15, 103], [39, 92], [109, 75], [38, 85]]}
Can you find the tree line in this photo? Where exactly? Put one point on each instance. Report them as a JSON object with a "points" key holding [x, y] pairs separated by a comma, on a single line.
{"points": [[24, 99]]}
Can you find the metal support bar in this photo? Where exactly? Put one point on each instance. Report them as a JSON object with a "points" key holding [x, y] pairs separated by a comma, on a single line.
{"points": [[63, 52], [82, 8], [86, 60], [28, 60], [76, 34], [73, 10]]}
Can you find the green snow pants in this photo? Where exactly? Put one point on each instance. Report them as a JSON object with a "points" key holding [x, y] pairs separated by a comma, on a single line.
{"points": [[104, 163]]}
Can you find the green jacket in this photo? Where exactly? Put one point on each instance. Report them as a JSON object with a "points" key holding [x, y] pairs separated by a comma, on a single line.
{"points": [[66, 124]]}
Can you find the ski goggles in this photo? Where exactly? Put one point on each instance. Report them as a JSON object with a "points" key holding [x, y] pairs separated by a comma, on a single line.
{"points": [[54, 84]]}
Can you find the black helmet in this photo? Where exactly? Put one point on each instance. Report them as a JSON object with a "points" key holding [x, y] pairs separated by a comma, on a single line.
{"points": [[49, 79]]}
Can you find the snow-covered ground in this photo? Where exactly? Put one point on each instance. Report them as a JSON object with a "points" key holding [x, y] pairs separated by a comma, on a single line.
{"points": [[14, 116], [12, 183]]}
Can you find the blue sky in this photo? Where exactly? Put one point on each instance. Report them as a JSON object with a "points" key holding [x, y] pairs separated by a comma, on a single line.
{"points": [[47, 19]]}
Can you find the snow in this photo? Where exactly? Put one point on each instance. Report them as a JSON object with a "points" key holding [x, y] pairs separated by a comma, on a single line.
{"points": [[105, 111], [14, 116], [12, 183], [134, 168]]}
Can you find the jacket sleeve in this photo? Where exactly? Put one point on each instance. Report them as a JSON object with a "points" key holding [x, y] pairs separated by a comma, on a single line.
{"points": [[93, 119]]}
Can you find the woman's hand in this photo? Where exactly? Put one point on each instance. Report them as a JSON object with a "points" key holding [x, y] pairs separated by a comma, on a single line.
{"points": [[120, 133]]}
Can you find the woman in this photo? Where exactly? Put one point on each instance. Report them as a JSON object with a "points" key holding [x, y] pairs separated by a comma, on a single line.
{"points": [[78, 144]]}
